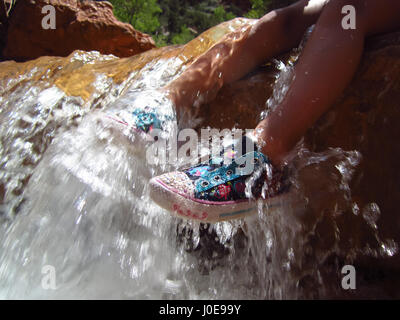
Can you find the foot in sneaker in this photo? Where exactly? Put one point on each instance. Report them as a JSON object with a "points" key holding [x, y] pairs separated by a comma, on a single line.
{"points": [[215, 192], [144, 114]]}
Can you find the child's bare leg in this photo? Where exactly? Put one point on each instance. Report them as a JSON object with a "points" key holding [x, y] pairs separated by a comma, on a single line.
{"points": [[324, 69], [242, 51]]}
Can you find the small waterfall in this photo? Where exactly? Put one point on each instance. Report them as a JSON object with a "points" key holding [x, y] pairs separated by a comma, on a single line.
{"points": [[75, 201]]}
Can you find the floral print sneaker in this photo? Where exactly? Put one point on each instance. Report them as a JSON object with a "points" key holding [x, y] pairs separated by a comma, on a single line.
{"points": [[215, 192], [144, 114]]}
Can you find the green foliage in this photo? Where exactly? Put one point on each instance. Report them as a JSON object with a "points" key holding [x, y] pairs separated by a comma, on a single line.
{"points": [[161, 40], [141, 14], [182, 20], [183, 37], [179, 21], [220, 15], [173, 21], [258, 8]]}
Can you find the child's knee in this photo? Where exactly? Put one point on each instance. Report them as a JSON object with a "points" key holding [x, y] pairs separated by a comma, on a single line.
{"points": [[300, 15], [337, 10]]}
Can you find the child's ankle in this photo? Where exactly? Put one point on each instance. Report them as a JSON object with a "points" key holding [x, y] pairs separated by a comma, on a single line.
{"points": [[268, 149]]}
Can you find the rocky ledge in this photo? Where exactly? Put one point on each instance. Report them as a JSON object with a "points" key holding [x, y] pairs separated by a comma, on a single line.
{"points": [[84, 25], [361, 221]]}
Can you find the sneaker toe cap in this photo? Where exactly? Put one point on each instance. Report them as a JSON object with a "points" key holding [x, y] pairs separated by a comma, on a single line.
{"points": [[177, 182]]}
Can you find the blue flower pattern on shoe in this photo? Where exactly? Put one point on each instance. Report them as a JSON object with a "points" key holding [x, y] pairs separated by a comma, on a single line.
{"points": [[219, 182], [217, 191], [144, 111], [146, 120], [199, 171], [231, 172]]}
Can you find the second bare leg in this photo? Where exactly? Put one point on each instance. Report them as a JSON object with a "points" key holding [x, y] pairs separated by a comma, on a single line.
{"points": [[240, 52], [325, 68]]}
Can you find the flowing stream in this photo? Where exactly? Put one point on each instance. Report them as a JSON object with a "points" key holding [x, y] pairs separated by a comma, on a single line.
{"points": [[75, 200]]}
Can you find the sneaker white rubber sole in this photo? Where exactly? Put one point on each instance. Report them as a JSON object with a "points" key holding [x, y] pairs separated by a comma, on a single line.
{"points": [[183, 206]]}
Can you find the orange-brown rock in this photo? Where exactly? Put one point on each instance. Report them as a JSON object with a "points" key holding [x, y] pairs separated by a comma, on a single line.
{"points": [[364, 119], [84, 25]]}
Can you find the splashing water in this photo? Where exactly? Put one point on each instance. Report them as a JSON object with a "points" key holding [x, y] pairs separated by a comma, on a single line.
{"points": [[76, 198]]}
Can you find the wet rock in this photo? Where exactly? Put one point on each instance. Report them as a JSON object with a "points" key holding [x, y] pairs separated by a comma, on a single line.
{"points": [[366, 119], [67, 88], [363, 223], [84, 25], [75, 74], [363, 121]]}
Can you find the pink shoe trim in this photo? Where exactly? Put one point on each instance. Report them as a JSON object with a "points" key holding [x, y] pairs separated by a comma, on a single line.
{"points": [[214, 203], [138, 131], [118, 120]]}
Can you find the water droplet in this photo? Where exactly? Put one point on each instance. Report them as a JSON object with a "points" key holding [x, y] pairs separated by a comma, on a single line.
{"points": [[371, 214]]}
